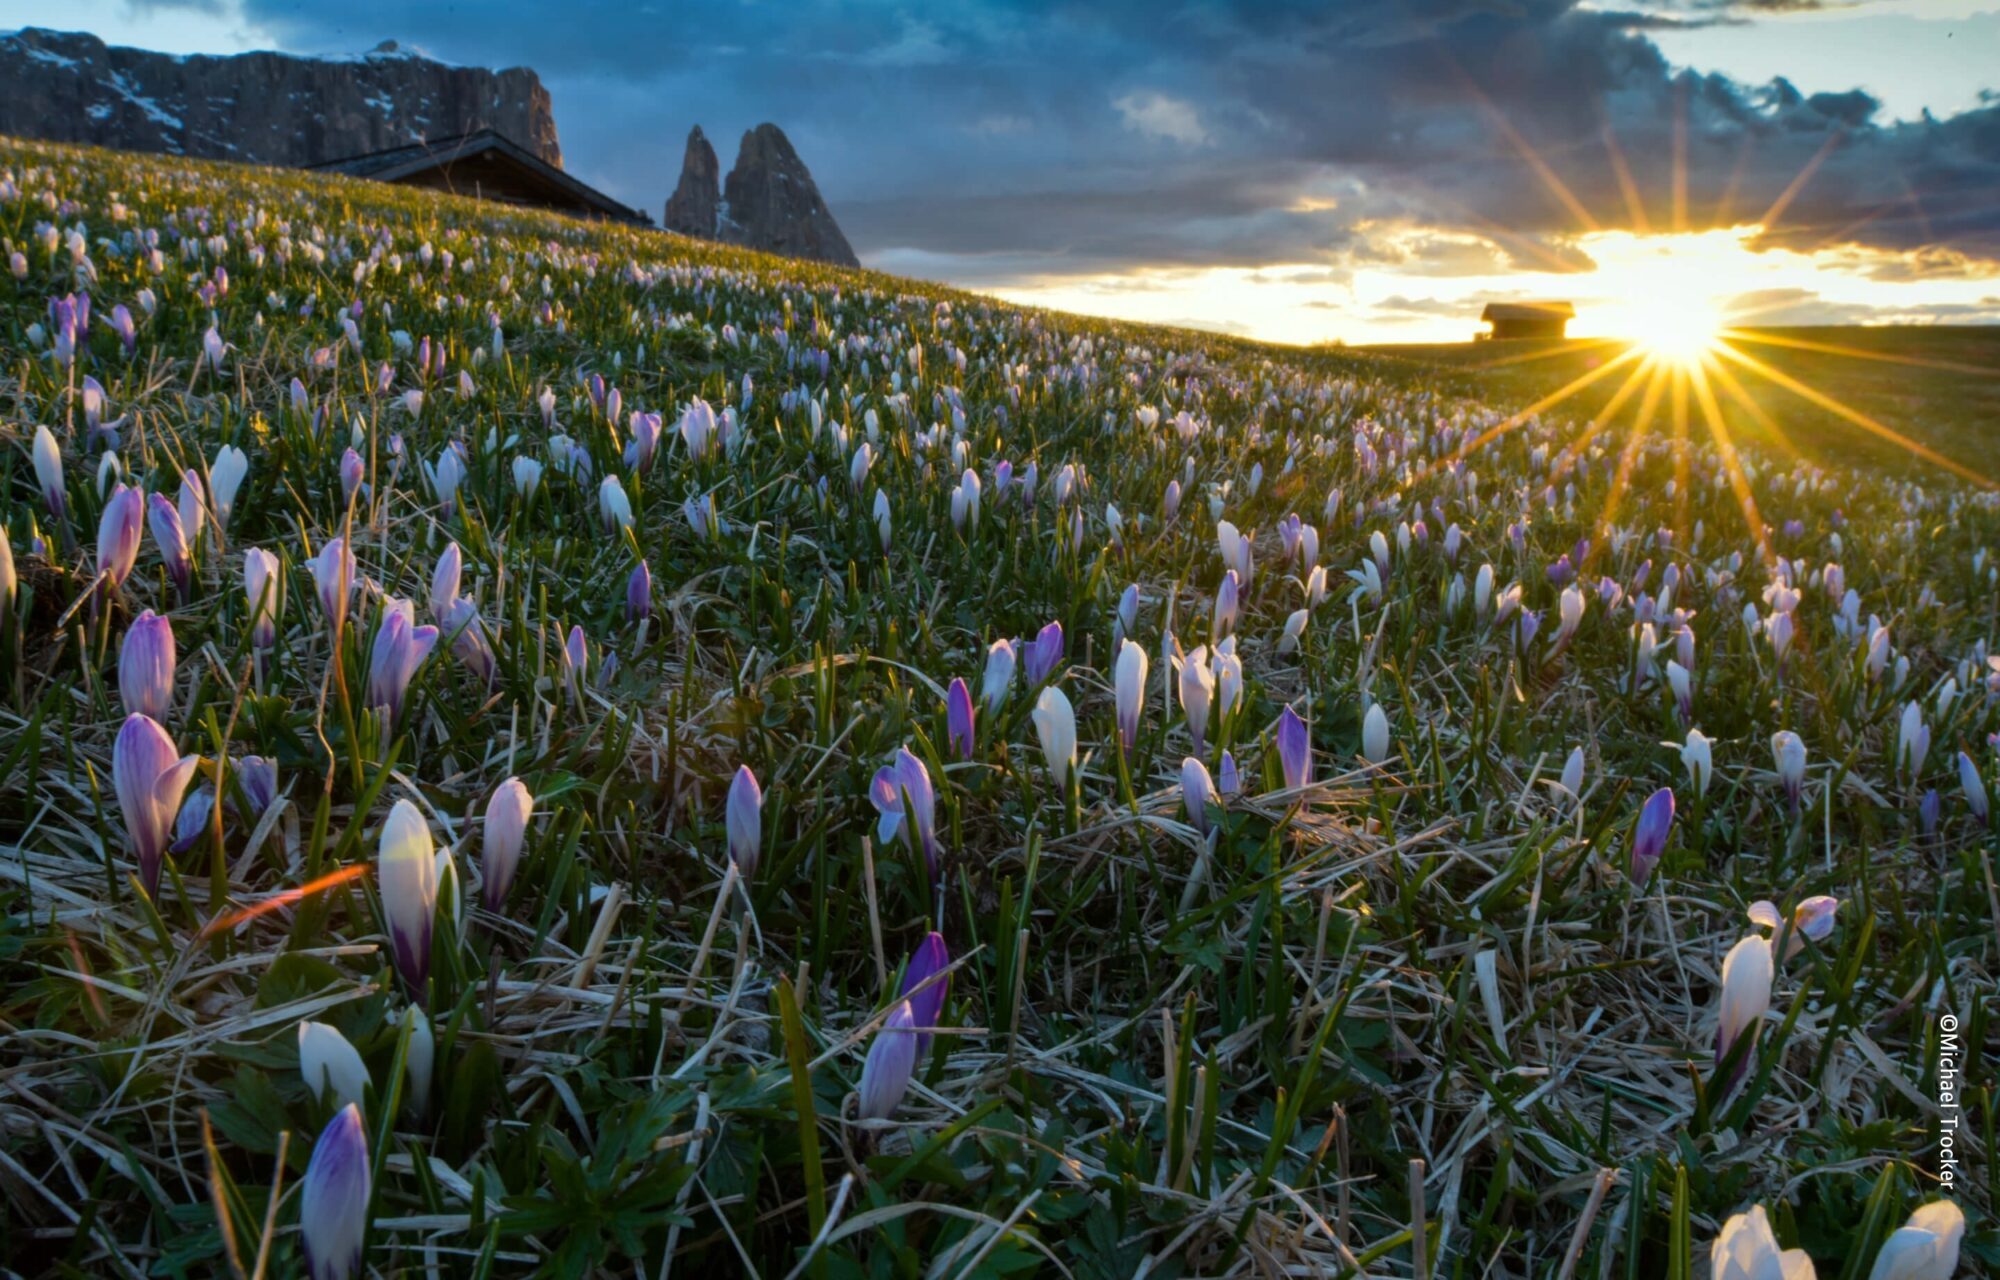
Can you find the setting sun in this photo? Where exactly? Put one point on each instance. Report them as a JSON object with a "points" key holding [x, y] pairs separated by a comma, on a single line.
{"points": [[1678, 331]]}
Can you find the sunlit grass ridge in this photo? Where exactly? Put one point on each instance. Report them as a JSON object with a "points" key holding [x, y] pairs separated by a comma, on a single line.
{"points": [[820, 773]]}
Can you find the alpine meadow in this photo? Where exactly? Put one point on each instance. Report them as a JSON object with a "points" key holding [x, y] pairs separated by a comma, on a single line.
{"points": [[540, 747]]}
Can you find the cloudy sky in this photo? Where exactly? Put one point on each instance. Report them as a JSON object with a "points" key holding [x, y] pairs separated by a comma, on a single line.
{"points": [[1367, 170]]}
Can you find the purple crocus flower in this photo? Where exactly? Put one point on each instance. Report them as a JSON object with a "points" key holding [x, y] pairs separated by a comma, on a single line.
{"points": [[1649, 834], [1043, 654], [193, 820], [931, 957], [118, 533], [1929, 810], [461, 622], [352, 468], [958, 715], [645, 440], [892, 1060], [888, 801], [400, 648], [919, 804], [1294, 749], [122, 325], [406, 876], [258, 778], [171, 540], [149, 778], [639, 594], [507, 814], [743, 816], [146, 666], [574, 658], [333, 1199], [1227, 781], [1197, 790], [333, 572]]}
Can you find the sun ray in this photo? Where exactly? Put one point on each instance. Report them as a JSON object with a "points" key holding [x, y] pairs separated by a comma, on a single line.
{"points": [[1798, 183], [1856, 417], [285, 898], [1635, 205], [1748, 403], [1603, 418], [1767, 338], [1642, 425], [1569, 347], [1725, 447], [1548, 401]]}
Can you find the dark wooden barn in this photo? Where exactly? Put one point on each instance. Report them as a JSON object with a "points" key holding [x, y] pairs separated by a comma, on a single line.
{"points": [[488, 166], [1527, 319]]}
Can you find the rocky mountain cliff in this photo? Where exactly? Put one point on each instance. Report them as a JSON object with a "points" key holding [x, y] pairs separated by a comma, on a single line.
{"points": [[769, 201], [262, 108]]}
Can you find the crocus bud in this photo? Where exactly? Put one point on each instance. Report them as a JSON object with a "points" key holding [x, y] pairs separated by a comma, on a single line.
{"points": [[919, 802], [1747, 1249], [149, 779], [1227, 606], [507, 814], [333, 1199], [258, 779], [400, 648], [639, 594], [118, 534], [172, 542], [333, 574], [930, 958], [1974, 787], [445, 579], [574, 659], [1197, 790], [1788, 753], [1746, 994], [1128, 611], [146, 666], [225, 477], [743, 815], [892, 1060], [998, 681], [1699, 757], [527, 476], [9, 578], [330, 1065], [1649, 834], [1683, 689], [49, 472], [1227, 783], [1129, 684], [418, 1062], [613, 506], [406, 874], [1572, 774], [1197, 690], [1295, 747], [1295, 626], [1045, 652], [352, 468], [1055, 723], [1375, 735], [958, 717], [1924, 1248], [261, 588]]}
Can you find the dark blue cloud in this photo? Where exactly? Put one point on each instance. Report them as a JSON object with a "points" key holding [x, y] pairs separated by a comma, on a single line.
{"points": [[1020, 138]]}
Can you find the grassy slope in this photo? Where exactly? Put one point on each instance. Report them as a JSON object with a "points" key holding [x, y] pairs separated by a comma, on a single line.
{"points": [[1196, 1070], [1936, 385]]}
